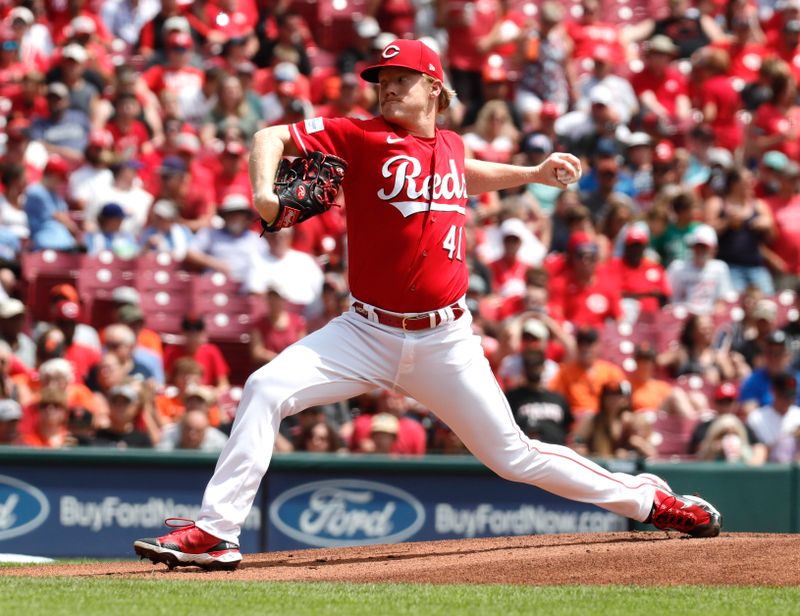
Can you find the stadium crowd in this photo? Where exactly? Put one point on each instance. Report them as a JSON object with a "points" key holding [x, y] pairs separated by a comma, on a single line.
{"points": [[650, 311]]}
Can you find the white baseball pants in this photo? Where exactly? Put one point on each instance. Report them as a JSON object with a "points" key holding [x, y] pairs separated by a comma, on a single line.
{"points": [[444, 368]]}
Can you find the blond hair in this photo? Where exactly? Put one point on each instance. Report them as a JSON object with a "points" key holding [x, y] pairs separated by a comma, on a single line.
{"points": [[445, 96]]}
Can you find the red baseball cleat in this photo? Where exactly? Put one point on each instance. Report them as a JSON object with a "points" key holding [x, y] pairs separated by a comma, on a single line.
{"points": [[687, 514], [189, 546]]}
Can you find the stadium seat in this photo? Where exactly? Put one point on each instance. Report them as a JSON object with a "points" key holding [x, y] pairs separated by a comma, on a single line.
{"points": [[97, 278], [674, 434], [41, 271]]}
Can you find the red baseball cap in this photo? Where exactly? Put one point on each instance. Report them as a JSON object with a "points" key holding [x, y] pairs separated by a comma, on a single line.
{"points": [[637, 235], [549, 110], [664, 152], [234, 148], [101, 138], [406, 53], [726, 391], [67, 291], [580, 241], [56, 165], [180, 40]]}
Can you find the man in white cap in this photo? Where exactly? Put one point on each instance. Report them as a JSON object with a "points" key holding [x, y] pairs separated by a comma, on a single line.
{"points": [[166, 233], [700, 281], [12, 322], [229, 250]]}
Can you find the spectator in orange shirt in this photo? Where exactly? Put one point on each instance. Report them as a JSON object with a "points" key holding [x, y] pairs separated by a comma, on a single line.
{"points": [[145, 338], [186, 379], [50, 429], [580, 381]]}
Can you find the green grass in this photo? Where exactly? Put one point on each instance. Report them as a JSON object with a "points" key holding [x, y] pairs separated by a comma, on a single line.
{"points": [[53, 596]]}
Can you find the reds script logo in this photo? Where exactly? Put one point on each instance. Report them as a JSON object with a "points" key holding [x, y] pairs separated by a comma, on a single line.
{"points": [[406, 171]]}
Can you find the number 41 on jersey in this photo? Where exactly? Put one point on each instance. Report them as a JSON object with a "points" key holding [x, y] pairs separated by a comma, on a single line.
{"points": [[452, 242]]}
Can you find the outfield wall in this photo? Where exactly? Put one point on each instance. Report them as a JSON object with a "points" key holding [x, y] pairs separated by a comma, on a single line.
{"points": [[93, 503]]}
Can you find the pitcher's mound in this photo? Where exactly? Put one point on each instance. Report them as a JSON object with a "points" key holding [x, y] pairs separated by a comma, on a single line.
{"points": [[643, 558]]}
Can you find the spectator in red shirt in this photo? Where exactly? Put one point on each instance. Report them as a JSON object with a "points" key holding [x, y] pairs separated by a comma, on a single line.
{"points": [[577, 293], [66, 315], [775, 123], [639, 279], [233, 177], [197, 347], [717, 98], [466, 20], [176, 75], [588, 32], [131, 138], [508, 272], [61, 20], [410, 437], [746, 53], [661, 88], [278, 329], [30, 100], [83, 31], [11, 68]]}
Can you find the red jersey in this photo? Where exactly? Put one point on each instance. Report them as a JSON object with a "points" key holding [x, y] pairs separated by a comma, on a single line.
{"points": [[207, 355], [187, 80], [665, 87], [276, 339], [584, 305], [787, 242], [468, 20], [588, 37], [410, 440], [745, 59], [128, 143], [719, 90], [770, 120], [406, 207], [648, 278]]}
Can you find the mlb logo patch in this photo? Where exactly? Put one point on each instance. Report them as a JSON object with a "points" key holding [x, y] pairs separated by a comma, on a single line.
{"points": [[314, 125]]}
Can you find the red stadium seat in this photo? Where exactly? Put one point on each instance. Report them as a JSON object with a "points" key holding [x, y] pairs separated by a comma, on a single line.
{"points": [[41, 271]]}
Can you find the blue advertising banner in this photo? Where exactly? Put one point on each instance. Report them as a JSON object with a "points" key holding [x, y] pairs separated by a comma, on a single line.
{"points": [[371, 508], [98, 512]]}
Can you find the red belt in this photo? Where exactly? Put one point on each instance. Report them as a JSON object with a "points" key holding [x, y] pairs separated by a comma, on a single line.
{"points": [[413, 323]]}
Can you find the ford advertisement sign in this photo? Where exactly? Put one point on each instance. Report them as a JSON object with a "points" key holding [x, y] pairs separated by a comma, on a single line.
{"points": [[23, 508], [341, 512]]}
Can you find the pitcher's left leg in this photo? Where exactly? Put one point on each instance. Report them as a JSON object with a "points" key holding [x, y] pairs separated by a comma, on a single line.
{"points": [[452, 378]]}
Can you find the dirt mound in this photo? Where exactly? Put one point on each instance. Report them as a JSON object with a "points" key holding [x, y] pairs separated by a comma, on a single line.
{"points": [[644, 558]]}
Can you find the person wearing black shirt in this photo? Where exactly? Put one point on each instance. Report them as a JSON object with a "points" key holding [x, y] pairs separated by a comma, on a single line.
{"points": [[123, 406], [542, 414]]}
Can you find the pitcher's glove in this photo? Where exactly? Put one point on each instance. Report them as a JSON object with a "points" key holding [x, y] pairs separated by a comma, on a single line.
{"points": [[305, 187]]}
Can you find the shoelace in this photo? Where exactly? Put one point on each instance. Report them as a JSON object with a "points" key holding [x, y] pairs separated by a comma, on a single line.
{"points": [[187, 523], [667, 514]]}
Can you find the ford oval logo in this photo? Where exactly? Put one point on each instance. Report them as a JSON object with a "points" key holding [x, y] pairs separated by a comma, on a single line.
{"points": [[22, 507], [347, 512]]}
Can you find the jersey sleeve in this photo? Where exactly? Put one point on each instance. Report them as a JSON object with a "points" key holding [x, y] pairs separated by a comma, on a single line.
{"points": [[338, 136]]}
